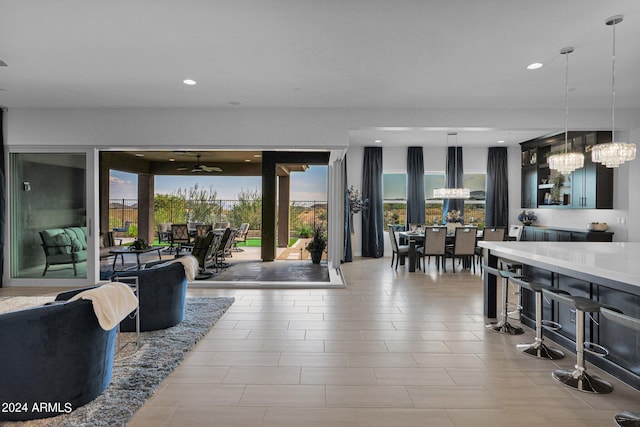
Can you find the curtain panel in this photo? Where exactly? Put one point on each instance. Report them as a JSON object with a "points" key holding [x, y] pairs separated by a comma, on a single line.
{"points": [[454, 177], [372, 218], [415, 186], [497, 196], [2, 197], [347, 253]]}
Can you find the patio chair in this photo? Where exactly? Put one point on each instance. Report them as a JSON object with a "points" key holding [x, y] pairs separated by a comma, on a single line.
{"points": [[221, 225], [164, 232], [124, 229], [241, 236], [180, 236], [201, 250], [203, 229]]}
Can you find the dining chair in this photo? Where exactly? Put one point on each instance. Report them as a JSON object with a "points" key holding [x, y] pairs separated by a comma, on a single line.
{"points": [[397, 251], [515, 232], [435, 241], [489, 234], [464, 246]]}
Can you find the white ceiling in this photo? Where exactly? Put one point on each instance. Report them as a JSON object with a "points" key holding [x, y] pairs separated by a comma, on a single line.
{"points": [[319, 53]]}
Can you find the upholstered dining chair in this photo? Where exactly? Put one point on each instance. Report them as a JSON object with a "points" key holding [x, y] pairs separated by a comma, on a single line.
{"points": [[397, 251], [489, 234], [435, 240], [464, 246]]}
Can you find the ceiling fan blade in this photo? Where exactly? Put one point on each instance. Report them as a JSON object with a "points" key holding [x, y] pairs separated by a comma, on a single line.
{"points": [[210, 168]]}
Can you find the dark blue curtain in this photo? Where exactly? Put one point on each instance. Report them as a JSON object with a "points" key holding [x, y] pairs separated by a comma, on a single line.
{"points": [[454, 177], [2, 198], [347, 253], [415, 186], [497, 194], [372, 218]]}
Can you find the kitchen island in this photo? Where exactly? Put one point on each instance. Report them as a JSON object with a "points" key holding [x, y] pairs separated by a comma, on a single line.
{"points": [[608, 272]]}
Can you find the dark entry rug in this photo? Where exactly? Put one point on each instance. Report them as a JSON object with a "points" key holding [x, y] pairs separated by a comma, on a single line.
{"points": [[137, 374]]}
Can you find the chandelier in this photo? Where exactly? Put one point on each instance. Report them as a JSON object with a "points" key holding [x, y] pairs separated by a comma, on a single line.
{"points": [[566, 162], [455, 192], [614, 153]]}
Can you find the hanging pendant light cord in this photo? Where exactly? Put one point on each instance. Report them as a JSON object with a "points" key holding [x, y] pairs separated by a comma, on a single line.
{"points": [[613, 85], [566, 102]]}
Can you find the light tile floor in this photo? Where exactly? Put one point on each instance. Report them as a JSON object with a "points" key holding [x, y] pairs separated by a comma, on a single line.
{"points": [[391, 349]]}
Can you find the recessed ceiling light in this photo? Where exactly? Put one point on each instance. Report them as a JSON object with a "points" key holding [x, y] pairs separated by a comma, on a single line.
{"points": [[501, 141], [257, 156], [377, 141], [171, 159], [534, 66], [139, 155], [247, 160], [189, 82]]}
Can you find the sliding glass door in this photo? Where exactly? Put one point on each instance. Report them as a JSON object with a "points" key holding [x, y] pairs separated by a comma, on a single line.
{"points": [[51, 215]]}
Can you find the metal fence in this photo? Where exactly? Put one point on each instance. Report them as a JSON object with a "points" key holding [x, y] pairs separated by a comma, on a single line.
{"points": [[303, 214]]}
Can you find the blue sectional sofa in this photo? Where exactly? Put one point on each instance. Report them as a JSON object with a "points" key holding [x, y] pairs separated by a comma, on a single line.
{"points": [[53, 359]]}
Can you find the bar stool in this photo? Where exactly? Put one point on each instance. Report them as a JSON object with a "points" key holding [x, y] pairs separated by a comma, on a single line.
{"points": [[538, 348], [624, 419], [503, 326], [579, 378]]}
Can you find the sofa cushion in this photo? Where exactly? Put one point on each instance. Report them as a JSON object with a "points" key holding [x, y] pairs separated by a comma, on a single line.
{"points": [[62, 242], [78, 236]]}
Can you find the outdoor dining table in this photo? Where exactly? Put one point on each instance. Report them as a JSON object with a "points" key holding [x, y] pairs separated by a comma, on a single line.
{"points": [[415, 237]]}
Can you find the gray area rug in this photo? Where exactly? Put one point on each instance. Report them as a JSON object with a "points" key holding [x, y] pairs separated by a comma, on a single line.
{"points": [[137, 374]]}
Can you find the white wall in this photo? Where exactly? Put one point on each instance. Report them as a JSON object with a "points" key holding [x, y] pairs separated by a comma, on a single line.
{"points": [[321, 128]]}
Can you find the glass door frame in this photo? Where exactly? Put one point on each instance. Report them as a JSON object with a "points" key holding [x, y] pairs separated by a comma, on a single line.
{"points": [[91, 200]]}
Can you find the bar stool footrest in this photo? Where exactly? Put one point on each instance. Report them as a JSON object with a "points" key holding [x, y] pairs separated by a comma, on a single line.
{"points": [[628, 419], [540, 350], [505, 328], [550, 325], [582, 381], [595, 349]]}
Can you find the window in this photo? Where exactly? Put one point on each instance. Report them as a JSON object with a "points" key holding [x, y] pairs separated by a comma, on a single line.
{"points": [[394, 190]]}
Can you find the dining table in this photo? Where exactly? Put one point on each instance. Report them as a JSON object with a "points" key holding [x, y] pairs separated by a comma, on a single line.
{"points": [[416, 237]]}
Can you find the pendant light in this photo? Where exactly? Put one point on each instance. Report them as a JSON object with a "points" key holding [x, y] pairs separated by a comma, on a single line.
{"points": [[566, 162], [455, 192], [614, 153]]}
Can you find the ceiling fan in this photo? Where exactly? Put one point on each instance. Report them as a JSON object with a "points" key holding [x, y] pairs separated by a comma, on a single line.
{"points": [[199, 167]]}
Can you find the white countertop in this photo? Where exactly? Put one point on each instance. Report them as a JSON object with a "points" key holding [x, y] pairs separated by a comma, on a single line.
{"points": [[618, 261]]}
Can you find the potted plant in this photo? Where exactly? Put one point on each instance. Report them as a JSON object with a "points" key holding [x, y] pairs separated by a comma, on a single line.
{"points": [[317, 245], [139, 244]]}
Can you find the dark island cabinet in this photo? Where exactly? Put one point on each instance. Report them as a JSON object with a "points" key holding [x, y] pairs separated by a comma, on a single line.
{"points": [[534, 233], [590, 187]]}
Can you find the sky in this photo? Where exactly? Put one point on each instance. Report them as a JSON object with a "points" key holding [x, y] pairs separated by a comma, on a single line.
{"points": [[309, 185]]}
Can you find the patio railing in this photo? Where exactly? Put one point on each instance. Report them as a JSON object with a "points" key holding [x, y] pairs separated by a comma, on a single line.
{"points": [[303, 213]]}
